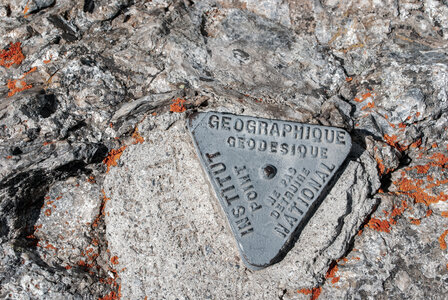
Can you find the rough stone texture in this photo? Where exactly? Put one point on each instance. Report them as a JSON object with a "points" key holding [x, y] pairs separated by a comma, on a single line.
{"points": [[104, 68], [185, 244]]}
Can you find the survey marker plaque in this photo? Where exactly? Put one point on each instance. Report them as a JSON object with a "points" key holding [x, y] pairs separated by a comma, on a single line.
{"points": [[269, 176]]}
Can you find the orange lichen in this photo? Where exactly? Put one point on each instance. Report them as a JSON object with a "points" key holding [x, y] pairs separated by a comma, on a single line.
{"points": [[437, 183], [335, 279], [416, 144], [391, 140], [368, 105], [379, 225], [421, 196], [331, 273], [415, 221], [8, 157], [422, 169], [91, 179], [332, 270], [315, 292], [102, 207], [48, 212], [178, 105], [154, 114], [417, 114], [114, 260], [397, 211], [82, 263], [112, 157], [12, 56], [442, 241], [366, 95], [385, 225], [137, 137], [15, 87], [305, 291], [47, 61], [112, 295], [401, 125], [419, 190], [348, 79], [440, 159], [25, 10], [381, 167], [47, 143], [68, 267], [29, 72], [51, 247], [444, 214]]}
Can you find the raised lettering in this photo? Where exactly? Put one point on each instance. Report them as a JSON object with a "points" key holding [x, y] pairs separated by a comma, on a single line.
{"points": [[238, 211], [340, 137], [225, 123], [281, 230], [317, 135], [307, 193], [213, 121], [286, 129], [274, 130], [239, 125], [251, 125], [329, 135]]}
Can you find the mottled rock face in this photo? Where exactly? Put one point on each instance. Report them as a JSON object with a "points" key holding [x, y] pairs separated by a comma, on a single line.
{"points": [[103, 195], [184, 225]]}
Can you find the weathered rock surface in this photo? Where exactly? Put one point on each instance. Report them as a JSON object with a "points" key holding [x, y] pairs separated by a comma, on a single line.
{"points": [[95, 71], [184, 244]]}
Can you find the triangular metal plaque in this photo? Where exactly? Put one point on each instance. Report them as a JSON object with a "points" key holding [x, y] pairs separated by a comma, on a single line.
{"points": [[268, 176]]}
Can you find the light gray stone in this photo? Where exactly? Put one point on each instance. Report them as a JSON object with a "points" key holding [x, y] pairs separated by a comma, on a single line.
{"points": [[377, 69], [168, 252]]}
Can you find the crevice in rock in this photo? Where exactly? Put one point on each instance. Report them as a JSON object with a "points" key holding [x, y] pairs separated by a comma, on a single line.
{"points": [[89, 6]]}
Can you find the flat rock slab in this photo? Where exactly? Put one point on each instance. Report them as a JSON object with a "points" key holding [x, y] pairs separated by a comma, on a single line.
{"points": [[172, 239], [269, 176]]}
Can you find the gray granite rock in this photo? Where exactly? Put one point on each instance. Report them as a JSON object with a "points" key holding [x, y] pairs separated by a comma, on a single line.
{"points": [[169, 232]]}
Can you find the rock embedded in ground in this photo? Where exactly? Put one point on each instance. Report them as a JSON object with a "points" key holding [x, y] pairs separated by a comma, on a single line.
{"points": [[94, 71], [167, 229]]}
